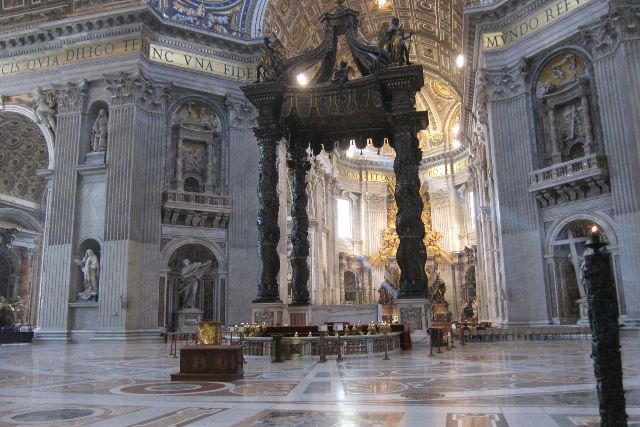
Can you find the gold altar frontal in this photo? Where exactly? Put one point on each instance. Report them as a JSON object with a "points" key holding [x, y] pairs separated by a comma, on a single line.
{"points": [[210, 363]]}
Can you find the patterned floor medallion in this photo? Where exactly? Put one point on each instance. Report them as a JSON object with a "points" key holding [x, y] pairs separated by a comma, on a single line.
{"points": [[476, 420], [322, 419], [63, 415]]}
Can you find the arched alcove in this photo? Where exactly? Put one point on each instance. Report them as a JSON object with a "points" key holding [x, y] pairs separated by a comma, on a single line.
{"points": [[566, 247], [78, 276], [350, 287], [10, 268], [209, 297], [93, 148]]}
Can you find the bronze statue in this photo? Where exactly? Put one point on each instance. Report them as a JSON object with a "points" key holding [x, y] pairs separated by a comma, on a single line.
{"points": [[394, 42], [341, 75], [438, 289], [273, 55]]}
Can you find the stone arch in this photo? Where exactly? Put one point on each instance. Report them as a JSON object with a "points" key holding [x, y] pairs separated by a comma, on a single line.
{"points": [[175, 244], [46, 132], [209, 296], [22, 218], [600, 218], [565, 244], [23, 151]]}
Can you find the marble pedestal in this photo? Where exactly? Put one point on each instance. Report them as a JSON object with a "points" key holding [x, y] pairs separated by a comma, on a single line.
{"points": [[584, 312], [188, 319], [416, 314], [267, 313], [299, 315], [210, 363], [95, 158], [440, 313]]}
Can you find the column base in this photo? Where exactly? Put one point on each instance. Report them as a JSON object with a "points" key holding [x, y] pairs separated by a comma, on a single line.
{"points": [[188, 318], [130, 335], [52, 335], [416, 314], [267, 313]]}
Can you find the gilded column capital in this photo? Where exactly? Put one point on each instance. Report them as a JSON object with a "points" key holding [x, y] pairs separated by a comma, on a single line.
{"points": [[508, 82], [71, 96], [241, 113], [131, 88], [604, 36]]}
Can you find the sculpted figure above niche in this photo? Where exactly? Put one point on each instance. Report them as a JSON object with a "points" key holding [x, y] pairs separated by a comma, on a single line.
{"points": [[196, 132], [564, 99]]}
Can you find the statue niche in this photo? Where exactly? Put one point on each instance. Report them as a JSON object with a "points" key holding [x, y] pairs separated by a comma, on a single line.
{"points": [[97, 134], [196, 136], [193, 282], [564, 109]]}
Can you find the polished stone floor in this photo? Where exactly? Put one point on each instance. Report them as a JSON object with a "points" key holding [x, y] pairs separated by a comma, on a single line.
{"points": [[516, 384]]}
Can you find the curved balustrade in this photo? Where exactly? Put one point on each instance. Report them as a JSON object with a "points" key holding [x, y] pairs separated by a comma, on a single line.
{"points": [[301, 347]]}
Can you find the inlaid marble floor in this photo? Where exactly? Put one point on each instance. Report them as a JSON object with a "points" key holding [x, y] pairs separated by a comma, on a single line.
{"points": [[516, 384]]}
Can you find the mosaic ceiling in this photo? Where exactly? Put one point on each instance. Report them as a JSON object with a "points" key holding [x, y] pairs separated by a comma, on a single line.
{"points": [[229, 17]]}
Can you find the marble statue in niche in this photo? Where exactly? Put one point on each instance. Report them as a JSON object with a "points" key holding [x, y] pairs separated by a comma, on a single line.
{"points": [[190, 279], [90, 267], [45, 109], [99, 132]]}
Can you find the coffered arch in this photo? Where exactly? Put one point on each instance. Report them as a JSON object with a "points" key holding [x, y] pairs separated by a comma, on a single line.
{"points": [[24, 150]]}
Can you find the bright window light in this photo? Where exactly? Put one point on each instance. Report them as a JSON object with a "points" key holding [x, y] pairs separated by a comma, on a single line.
{"points": [[302, 79], [456, 128], [344, 218], [460, 61], [456, 144]]}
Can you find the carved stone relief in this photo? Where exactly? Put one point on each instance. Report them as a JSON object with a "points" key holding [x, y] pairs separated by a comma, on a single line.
{"points": [[563, 93], [264, 317], [23, 151], [411, 316]]}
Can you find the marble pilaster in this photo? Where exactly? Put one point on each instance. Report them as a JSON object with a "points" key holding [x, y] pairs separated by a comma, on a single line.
{"points": [[521, 286], [615, 45], [58, 253]]}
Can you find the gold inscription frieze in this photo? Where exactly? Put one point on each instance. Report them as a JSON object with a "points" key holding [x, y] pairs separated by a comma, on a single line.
{"points": [[209, 65], [124, 46], [348, 173], [79, 53], [531, 24]]}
